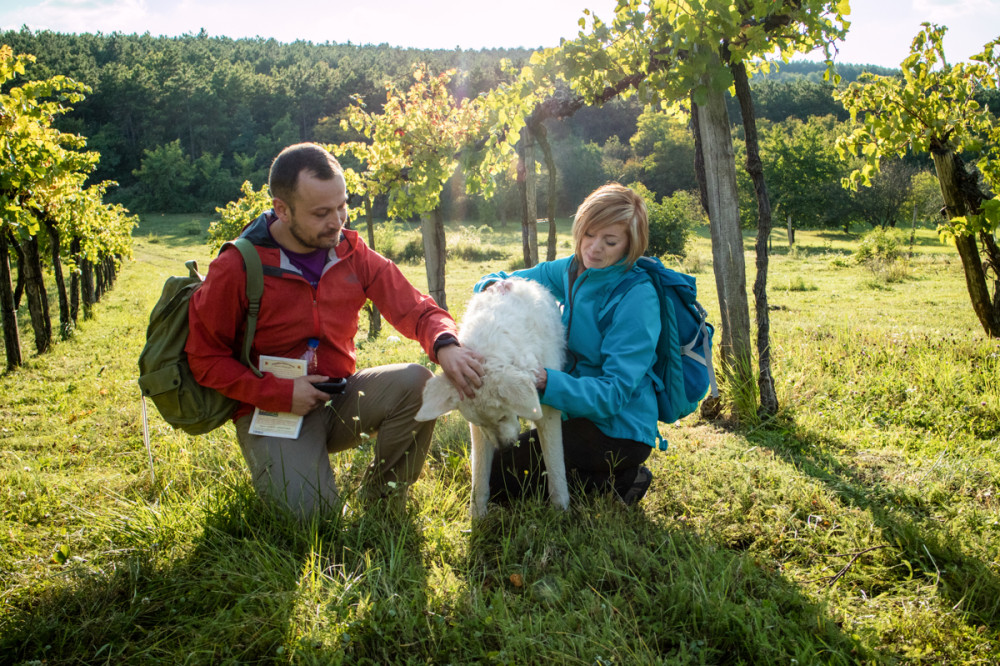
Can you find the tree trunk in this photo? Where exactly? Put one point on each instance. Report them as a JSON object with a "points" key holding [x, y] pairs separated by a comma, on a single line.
{"points": [[8, 311], [962, 197], [765, 381], [74, 281], [374, 316], [719, 177], [108, 275], [791, 231], [38, 299], [550, 164], [913, 231], [529, 207], [98, 267], [87, 284], [65, 320], [432, 229], [19, 286]]}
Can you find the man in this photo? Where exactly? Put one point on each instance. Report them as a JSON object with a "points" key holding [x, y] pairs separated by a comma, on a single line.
{"points": [[317, 277]]}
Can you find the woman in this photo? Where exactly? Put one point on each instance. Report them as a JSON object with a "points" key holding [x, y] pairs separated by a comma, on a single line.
{"points": [[605, 391]]}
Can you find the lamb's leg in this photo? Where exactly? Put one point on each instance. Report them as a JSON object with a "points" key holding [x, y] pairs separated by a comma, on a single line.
{"points": [[481, 458], [550, 434]]}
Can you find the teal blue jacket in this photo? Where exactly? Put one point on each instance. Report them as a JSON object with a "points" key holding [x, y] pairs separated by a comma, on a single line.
{"points": [[607, 380]]}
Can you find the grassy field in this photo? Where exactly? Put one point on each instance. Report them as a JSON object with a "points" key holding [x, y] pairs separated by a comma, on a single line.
{"points": [[862, 525]]}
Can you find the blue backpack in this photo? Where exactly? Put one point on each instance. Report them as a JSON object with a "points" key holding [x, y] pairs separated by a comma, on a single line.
{"points": [[683, 371]]}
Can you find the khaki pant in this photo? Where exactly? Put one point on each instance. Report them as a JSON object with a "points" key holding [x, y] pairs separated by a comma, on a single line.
{"points": [[379, 402]]}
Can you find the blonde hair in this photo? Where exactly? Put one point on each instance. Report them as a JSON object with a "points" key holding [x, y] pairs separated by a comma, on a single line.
{"points": [[613, 204]]}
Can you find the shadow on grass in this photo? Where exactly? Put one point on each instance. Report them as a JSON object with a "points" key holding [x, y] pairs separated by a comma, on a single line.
{"points": [[244, 593], [605, 584], [968, 584]]}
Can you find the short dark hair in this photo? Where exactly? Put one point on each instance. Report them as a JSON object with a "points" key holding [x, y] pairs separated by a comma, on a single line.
{"points": [[295, 159]]}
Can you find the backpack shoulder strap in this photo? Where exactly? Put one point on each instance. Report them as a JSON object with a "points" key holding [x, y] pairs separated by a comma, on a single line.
{"points": [[255, 290], [611, 304]]}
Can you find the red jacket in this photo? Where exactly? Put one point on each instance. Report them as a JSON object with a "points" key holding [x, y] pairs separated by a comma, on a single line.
{"points": [[291, 312]]}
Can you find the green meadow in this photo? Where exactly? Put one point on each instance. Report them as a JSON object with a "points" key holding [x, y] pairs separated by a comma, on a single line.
{"points": [[860, 525]]}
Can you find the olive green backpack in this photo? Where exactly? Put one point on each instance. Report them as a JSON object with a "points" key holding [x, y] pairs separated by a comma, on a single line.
{"points": [[164, 374]]}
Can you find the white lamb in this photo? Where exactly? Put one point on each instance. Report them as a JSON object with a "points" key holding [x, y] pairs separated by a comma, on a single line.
{"points": [[517, 329]]}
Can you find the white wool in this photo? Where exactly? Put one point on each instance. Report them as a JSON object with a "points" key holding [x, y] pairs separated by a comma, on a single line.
{"points": [[517, 332], [521, 328]]}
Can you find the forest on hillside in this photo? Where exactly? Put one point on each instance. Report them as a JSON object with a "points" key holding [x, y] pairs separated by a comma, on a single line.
{"points": [[180, 123]]}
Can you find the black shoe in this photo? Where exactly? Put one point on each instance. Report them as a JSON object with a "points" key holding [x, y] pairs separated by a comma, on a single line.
{"points": [[639, 487]]}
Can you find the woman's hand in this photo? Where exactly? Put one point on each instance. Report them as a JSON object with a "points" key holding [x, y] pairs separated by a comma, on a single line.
{"points": [[541, 378], [500, 286]]}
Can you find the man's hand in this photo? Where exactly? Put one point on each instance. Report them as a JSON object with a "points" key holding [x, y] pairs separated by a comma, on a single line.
{"points": [[305, 396], [463, 367]]}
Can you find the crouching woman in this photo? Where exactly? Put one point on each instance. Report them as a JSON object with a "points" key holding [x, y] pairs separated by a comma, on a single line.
{"points": [[605, 390]]}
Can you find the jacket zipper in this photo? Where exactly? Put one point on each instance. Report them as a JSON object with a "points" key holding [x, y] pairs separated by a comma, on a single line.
{"points": [[573, 290]]}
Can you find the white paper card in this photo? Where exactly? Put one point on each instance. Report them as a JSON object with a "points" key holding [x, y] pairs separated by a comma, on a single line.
{"points": [[278, 424]]}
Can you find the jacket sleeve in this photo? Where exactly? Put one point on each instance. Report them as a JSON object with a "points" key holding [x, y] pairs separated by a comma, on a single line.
{"points": [[628, 350], [216, 319], [413, 314]]}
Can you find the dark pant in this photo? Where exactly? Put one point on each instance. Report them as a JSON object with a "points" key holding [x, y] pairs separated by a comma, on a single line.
{"points": [[594, 463]]}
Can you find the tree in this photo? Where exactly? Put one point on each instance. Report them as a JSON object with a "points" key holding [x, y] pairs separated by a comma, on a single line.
{"points": [[796, 98], [412, 151], [882, 204], [619, 161], [933, 109], [925, 196], [581, 170], [925, 201], [237, 214], [670, 50], [41, 180], [804, 172], [670, 220], [165, 178], [39, 156], [664, 143], [526, 185]]}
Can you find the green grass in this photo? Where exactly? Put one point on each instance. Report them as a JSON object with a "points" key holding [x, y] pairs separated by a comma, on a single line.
{"points": [[861, 525]]}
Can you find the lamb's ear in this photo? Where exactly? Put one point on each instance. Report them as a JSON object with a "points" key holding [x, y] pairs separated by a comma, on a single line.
{"points": [[440, 397], [523, 399]]}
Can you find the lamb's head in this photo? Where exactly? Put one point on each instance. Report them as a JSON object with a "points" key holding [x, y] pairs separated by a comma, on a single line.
{"points": [[504, 397]]}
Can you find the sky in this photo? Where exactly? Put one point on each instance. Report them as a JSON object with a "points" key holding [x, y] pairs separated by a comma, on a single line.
{"points": [[880, 33]]}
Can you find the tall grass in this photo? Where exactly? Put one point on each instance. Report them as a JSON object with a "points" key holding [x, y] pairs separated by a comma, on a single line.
{"points": [[858, 526]]}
